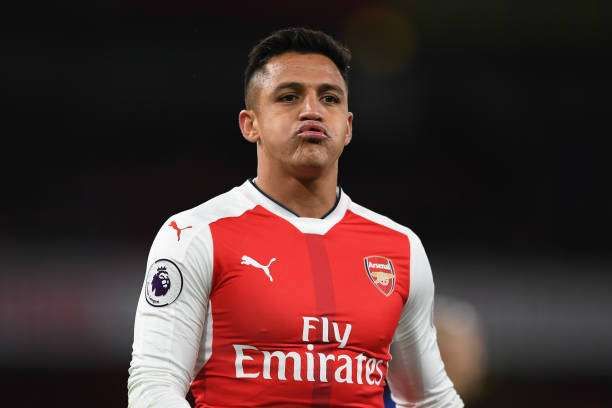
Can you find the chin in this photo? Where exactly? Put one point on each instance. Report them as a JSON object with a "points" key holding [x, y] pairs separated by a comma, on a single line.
{"points": [[309, 170], [311, 163]]}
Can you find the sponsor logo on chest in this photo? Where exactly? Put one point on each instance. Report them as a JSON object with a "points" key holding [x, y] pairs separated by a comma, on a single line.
{"points": [[338, 365]]}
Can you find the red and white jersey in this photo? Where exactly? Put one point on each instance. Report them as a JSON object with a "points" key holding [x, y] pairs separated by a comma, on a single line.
{"points": [[250, 305]]}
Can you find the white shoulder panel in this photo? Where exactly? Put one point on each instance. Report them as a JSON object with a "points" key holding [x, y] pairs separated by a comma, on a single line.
{"points": [[382, 220], [194, 222], [231, 204]]}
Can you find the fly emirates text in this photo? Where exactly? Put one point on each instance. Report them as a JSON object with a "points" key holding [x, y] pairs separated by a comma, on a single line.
{"points": [[322, 367]]}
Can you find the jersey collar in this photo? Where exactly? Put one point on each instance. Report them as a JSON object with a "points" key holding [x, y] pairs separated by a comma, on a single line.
{"points": [[304, 224]]}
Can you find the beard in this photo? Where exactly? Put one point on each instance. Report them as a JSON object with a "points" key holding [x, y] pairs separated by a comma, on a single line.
{"points": [[310, 159]]}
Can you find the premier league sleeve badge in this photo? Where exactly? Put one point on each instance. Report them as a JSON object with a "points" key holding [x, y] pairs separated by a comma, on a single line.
{"points": [[164, 283]]}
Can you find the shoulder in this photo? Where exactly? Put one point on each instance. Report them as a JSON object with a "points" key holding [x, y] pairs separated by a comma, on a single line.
{"points": [[233, 203], [186, 229], [385, 222]]}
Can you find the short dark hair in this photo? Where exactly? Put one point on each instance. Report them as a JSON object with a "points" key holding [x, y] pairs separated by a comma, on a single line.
{"points": [[300, 40]]}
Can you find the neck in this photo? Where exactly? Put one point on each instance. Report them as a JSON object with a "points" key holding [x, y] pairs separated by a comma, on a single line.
{"points": [[311, 198]]}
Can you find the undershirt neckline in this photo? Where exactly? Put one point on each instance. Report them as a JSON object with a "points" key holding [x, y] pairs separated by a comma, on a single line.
{"points": [[252, 181]]}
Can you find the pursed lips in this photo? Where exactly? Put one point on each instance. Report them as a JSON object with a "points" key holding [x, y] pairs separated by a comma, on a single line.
{"points": [[312, 130]]}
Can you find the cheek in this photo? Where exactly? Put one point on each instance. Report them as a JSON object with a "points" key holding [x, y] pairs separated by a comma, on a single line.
{"points": [[276, 129], [341, 130]]}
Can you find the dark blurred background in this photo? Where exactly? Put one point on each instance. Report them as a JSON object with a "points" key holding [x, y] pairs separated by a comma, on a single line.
{"points": [[477, 124]]}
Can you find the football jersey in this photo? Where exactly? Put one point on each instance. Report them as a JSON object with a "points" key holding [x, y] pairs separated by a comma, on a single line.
{"points": [[251, 305]]}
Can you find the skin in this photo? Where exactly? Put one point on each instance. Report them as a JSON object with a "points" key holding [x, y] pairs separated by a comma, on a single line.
{"points": [[463, 350], [298, 170]]}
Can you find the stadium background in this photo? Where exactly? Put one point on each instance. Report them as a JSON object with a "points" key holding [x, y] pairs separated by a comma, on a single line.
{"points": [[476, 125]]}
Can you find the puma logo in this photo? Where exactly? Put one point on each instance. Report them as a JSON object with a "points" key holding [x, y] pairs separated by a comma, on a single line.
{"points": [[178, 229], [247, 260]]}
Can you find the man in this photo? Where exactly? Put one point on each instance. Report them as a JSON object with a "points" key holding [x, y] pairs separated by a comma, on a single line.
{"points": [[283, 292]]}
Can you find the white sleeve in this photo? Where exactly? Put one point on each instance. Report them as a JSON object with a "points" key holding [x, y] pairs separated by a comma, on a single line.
{"points": [[170, 317], [417, 378]]}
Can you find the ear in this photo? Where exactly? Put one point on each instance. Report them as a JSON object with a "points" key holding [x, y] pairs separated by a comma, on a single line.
{"points": [[349, 129], [247, 120]]}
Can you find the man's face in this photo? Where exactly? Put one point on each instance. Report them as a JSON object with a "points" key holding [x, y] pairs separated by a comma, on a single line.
{"points": [[301, 118]]}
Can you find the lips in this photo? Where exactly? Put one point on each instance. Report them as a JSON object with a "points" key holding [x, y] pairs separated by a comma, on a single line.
{"points": [[312, 130]]}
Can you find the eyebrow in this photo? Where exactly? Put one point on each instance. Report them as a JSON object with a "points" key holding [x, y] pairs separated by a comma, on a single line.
{"points": [[299, 86]]}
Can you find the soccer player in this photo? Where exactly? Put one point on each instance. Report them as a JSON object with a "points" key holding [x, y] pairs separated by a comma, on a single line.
{"points": [[283, 292]]}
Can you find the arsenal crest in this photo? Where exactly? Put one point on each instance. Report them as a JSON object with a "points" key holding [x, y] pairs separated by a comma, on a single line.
{"points": [[381, 273]]}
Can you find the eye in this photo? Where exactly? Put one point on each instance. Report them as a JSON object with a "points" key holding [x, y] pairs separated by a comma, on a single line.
{"points": [[287, 98], [331, 99]]}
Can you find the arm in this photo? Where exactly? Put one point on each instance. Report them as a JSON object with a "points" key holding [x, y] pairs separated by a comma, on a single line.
{"points": [[417, 378], [168, 337]]}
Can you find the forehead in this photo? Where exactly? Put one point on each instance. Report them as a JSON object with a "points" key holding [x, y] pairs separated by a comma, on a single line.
{"points": [[310, 69]]}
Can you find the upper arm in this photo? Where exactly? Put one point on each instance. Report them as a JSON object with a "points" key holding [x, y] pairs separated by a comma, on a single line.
{"points": [[170, 316], [416, 372]]}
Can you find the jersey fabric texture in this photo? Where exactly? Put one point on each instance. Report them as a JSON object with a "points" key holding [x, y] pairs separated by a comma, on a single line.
{"points": [[251, 305]]}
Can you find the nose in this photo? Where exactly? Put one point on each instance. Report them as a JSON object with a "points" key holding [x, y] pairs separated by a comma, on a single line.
{"points": [[311, 109]]}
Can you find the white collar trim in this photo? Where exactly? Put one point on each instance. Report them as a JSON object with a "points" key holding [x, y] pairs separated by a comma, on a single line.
{"points": [[304, 224]]}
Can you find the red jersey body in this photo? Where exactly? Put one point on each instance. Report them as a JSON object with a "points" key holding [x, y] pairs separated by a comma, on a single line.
{"points": [[251, 305]]}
